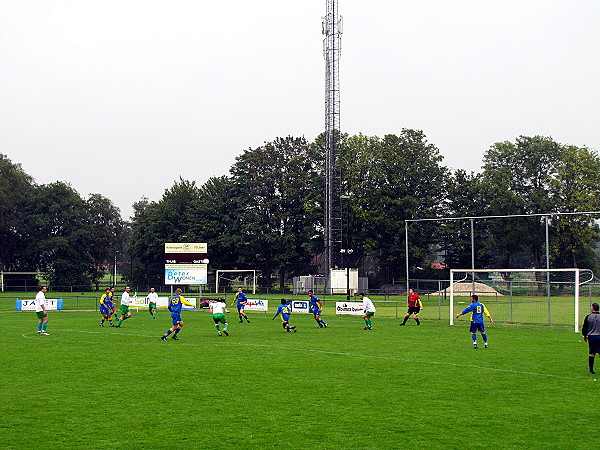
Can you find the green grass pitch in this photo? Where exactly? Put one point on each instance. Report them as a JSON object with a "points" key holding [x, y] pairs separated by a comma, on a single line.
{"points": [[340, 387]]}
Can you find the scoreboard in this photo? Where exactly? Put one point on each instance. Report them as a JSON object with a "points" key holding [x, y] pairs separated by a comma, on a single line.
{"points": [[186, 263]]}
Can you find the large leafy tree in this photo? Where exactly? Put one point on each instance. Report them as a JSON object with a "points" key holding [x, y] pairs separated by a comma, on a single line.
{"points": [[108, 228], [389, 180], [216, 222], [464, 198], [168, 220], [273, 207], [59, 235], [518, 178], [15, 188], [145, 246], [576, 188]]}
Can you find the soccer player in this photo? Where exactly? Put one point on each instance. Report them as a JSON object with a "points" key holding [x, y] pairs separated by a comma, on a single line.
{"points": [[125, 302], [175, 305], [591, 333], [240, 300], [152, 301], [369, 308], [316, 306], [113, 302], [284, 310], [218, 310], [105, 308], [477, 310], [415, 305], [40, 311]]}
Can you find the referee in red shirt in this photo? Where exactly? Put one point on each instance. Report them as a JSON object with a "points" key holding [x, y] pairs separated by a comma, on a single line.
{"points": [[414, 307]]}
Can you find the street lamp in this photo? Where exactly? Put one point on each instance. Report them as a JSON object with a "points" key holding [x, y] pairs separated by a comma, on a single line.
{"points": [[346, 252]]}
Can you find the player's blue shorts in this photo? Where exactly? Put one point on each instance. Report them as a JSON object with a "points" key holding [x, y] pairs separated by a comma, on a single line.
{"points": [[315, 310], [176, 318], [104, 309], [240, 307], [594, 343], [285, 317], [475, 327]]}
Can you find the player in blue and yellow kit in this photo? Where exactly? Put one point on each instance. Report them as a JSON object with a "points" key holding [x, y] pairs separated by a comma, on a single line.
{"points": [[240, 300], [316, 307], [175, 304], [477, 310], [105, 308], [285, 311], [111, 297]]}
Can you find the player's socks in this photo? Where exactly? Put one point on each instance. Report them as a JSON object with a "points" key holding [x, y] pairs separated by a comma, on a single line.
{"points": [[119, 322], [177, 330], [39, 327], [217, 327], [154, 315], [404, 321], [418, 321], [591, 364], [484, 337], [167, 333], [474, 337], [44, 326]]}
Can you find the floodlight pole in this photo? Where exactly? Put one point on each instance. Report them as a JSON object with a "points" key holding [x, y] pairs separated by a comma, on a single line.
{"points": [[115, 270], [332, 30]]}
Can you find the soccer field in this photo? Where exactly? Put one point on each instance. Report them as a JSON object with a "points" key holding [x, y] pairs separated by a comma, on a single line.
{"points": [[340, 387]]}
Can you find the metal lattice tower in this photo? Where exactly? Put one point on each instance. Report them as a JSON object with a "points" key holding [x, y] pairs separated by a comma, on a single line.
{"points": [[332, 29]]}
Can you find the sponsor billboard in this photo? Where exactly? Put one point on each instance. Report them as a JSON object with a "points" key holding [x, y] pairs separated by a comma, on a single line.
{"points": [[29, 305], [163, 302], [255, 304], [352, 308], [301, 306], [177, 275]]}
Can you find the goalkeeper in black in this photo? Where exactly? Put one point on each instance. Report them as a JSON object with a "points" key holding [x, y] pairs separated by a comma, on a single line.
{"points": [[591, 333]]}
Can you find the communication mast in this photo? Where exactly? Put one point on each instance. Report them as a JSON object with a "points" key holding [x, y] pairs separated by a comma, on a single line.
{"points": [[332, 29]]}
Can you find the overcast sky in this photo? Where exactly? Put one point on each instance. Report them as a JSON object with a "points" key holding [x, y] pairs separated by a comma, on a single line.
{"points": [[122, 97]]}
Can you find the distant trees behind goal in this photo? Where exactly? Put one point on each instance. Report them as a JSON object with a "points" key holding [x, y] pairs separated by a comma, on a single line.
{"points": [[267, 213]]}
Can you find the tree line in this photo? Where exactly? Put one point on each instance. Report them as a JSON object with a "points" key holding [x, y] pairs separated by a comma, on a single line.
{"points": [[267, 213]]}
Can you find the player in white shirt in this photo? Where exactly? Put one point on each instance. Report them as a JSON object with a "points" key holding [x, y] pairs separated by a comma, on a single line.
{"points": [[369, 308], [125, 302], [152, 298], [218, 310], [40, 311]]}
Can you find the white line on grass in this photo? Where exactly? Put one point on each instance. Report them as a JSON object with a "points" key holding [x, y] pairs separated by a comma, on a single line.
{"points": [[326, 352]]}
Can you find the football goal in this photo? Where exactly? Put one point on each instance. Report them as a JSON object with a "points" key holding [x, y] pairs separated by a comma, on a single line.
{"points": [[250, 271], [525, 296]]}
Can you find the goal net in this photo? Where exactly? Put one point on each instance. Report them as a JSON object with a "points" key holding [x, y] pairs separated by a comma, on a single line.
{"points": [[524, 296]]}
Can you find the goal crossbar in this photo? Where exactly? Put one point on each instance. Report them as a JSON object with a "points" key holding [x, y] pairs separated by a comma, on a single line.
{"points": [[576, 283]]}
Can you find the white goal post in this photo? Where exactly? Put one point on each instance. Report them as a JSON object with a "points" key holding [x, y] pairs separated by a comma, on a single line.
{"points": [[537, 296], [237, 271]]}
